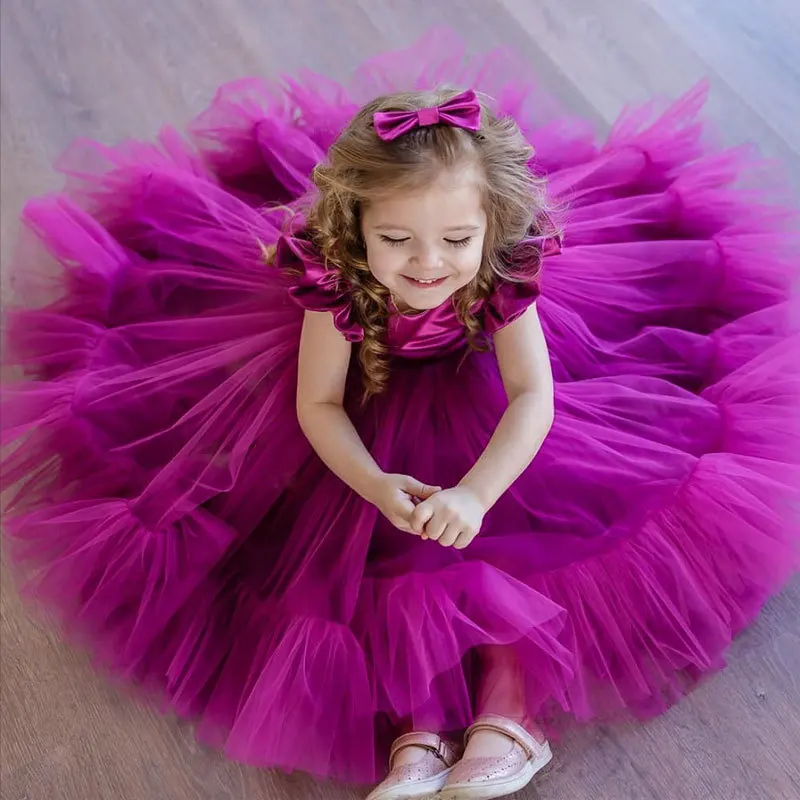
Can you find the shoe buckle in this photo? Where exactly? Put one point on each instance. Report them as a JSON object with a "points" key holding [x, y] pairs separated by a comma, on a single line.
{"points": [[443, 752]]}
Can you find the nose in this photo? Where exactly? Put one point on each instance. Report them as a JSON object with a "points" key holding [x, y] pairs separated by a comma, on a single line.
{"points": [[429, 257]]}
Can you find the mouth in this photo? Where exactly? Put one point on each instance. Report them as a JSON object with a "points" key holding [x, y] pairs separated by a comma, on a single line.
{"points": [[428, 283]]}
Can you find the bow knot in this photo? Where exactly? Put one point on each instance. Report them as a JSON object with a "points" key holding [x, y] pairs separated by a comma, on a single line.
{"points": [[462, 111], [428, 116]]}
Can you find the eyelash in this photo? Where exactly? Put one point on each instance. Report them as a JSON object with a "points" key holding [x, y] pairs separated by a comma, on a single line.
{"points": [[393, 242], [400, 242]]}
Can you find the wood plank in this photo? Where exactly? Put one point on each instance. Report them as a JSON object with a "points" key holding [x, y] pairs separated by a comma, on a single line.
{"points": [[754, 50]]}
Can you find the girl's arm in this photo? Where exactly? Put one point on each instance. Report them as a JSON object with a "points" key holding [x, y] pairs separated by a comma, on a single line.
{"points": [[322, 375], [454, 516], [528, 380]]}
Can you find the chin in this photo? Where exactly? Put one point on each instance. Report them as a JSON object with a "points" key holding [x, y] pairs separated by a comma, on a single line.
{"points": [[426, 302]]}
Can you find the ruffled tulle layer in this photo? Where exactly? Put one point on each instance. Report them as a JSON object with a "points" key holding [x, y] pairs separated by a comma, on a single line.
{"points": [[165, 505]]}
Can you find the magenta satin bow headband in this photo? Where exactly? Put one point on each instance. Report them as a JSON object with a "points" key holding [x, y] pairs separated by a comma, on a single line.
{"points": [[463, 111]]}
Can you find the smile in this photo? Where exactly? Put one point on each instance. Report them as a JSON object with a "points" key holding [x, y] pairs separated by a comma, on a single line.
{"points": [[429, 283]]}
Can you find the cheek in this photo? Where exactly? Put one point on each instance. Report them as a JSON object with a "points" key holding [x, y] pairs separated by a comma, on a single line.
{"points": [[383, 264], [469, 263]]}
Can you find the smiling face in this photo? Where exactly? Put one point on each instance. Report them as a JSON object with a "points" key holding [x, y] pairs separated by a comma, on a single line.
{"points": [[426, 245]]}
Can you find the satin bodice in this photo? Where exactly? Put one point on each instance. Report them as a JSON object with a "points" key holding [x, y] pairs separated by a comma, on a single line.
{"points": [[426, 334]]}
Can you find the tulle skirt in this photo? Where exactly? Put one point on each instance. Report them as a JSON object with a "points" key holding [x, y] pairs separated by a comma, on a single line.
{"points": [[165, 506]]}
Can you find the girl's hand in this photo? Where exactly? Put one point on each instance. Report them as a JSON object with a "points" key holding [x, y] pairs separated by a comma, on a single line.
{"points": [[452, 517], [396, 497]]}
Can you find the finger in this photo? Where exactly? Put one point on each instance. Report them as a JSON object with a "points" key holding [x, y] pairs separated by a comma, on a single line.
{"points": [[400, 511], [428, 491], [448, 538], [420, 517], [419, 489], [464, 540], [400, 523], [404, 507], [436, 527]]}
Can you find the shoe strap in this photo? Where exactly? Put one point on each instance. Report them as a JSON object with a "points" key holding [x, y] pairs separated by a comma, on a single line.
{"points": [[513, 730], [443, 750]]}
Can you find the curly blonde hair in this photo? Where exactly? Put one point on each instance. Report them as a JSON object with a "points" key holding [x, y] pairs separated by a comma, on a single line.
{"points": [[361, 167]]}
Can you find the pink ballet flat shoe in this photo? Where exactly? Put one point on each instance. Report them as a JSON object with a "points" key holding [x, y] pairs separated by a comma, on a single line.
{"points": [[423, 779], [487, 778]]}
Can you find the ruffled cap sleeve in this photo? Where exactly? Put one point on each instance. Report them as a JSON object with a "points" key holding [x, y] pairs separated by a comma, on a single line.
{"points": [[314, 286], [512, 298]]}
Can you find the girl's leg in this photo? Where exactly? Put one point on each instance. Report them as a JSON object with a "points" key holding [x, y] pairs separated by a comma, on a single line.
{"points": [[501, 690], [502, 693]]}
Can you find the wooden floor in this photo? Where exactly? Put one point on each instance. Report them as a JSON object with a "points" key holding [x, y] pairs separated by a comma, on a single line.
{"points": [[114, 68]]}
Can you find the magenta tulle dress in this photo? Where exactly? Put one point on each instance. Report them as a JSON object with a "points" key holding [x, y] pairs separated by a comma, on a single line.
{"points": [[168, 509]]}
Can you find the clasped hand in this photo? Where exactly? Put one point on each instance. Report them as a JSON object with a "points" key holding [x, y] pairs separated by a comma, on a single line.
{"points": [[451, 517]]}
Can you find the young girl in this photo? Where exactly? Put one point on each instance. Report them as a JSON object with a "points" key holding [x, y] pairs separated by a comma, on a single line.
{"points": [[314, 500]]}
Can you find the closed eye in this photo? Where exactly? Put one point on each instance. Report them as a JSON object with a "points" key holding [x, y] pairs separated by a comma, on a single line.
{"points": [[393, 242], [459, 242]]}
